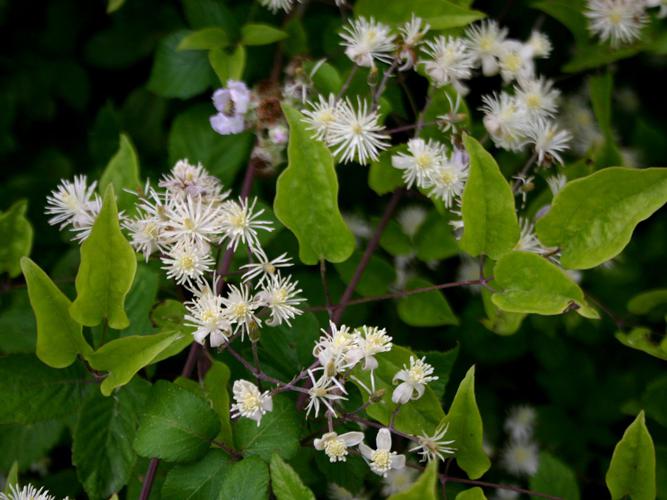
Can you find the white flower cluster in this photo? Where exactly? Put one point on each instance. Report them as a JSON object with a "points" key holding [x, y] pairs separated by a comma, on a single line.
{"points": [[620, 22]]}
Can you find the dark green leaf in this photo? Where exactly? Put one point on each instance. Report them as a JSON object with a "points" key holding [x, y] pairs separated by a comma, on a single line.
{"points": [[247, 480], [555, 478], [16, 235], [377, 278], [425, 308], [198, 481], [286, 483]]}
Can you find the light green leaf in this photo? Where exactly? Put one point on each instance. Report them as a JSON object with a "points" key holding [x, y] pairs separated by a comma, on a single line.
{"points": [[465, 428], [261, 34], [530, 283], [106, 272], [205, 39], [59, 337], [177, 73], [228, 66], [645, 302], [425, 308], [592, 219], [632, 468], [310, 209], [12, 478], [383, 178], [325, 77], [555, 478], [569, 13], [16, 235], [434, 239], [125, 356], [122, 172], [278, 432], [247, 480], [471, 494], [640, 338], [102, 439], [198, 481], [489, 217], [216, 385], [286, 483], [440, 14], [177, 426], [424, 488]]}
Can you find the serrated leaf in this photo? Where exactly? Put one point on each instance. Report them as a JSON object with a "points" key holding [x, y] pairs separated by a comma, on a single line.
{"points": [[440, 14], [310, 209], [102, 439], [177, 426], [247, 480], [106, 272], [471, 494], [425, 308], [632, 468], [489, 217], [465, 428], [286, 483], [198, 481], [424, 488], [122, 172], [592, 219], [16, 234], [261, 34], [213, 37], [228, 65], [59, 337], [554, 478]]}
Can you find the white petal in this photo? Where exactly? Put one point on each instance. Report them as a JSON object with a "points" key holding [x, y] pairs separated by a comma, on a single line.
{"points": [[383, 439], [398, 461], [402, 393], [420, 388], [319, 444], [365, 450], [352, 438], [400, 375]]}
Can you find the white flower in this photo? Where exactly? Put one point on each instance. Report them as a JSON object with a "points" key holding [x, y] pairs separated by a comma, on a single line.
{"points": [[448, 60], [414, 380], [537, 46], [449, 178], [239, 223], [74, 204], [28, 492], [336, 350], [504, 120], [320, 115], [520, 458], [578, 117], [232, 103], [240, 307], [186, 179], [370, 340], [662, 13], [528, 242], [280, 295], [423, 158], [435, 446], [356, 134], [520, 422], [250, 402], [556, 183], [367, 41], [206, 314], [144, 234], [187, 261], [616, 21], [276, 5], [397, 480], [450, 120], [484, 42], [549, 141], [513, 61], [537, 97], [325, 390], [412, 34], [264, 267], [191, 219], [411, 219], [335, 446], [382, 459]]}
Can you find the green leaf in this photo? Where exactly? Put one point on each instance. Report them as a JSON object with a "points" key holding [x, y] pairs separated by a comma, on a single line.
{"points": [[434, 239], [440, 14], [465, 428], [261, 34], [443, 363], [489, 217], [102, 439], [472, 494], [247, 480], [310, 209], [278, 432], [177, 426], [191, 137], [33, 392], [640, 338], [106, 272], [114, 5], [228, 66], [286, 483], [125, 356], [593, 55], [592, 219], [425, 308], [12, 478], [415, 417], [394, 240], [140, 301], [205, 39], [16, 235], [424, 488], [26, 444], [601, 88], [18, 329], [216, 383], [530, 283], [177, 73], [632, 468], [497, 320], [570, 14], [122, 172], [645, 302], [654, 400], [383, 178], [325, 77], [59, 337], [377, 278], [554, 478], [198, 481]]}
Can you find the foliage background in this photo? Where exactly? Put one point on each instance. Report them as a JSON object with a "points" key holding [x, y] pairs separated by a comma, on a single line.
{"points": [[74, 77]]}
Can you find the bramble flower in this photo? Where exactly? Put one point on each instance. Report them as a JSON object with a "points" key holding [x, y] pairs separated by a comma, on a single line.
{"points": [[250, 402], [187, 262], [448, 60], [74, 204], [276, 5], [448, 179], [514, 62], [356, 134], [616, 21], [239, 223], [504, 120], [423, 157], [484, 41], [537, 97], [397, 480], [520, 458], [191, 219], [280, 295], [325, 390], [240, 307], [520, 422], [370, 341], [206, 314], [367, 41], [549, 141], [320, 115], [232, 103], [335, 446], [265, 268], [435, 446], [27, 492], [414, 380], [382, 459]]}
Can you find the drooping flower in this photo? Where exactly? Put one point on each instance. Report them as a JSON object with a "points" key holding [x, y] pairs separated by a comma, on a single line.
{"points": [[250, 402], [206, 314], [616, 21], [413, 380], [448, 60], [382, 459], [484, 42], [231, 103], [422, 159], [412, 34], [435, 446], [281, 296], [335, 445], [367, 41]]}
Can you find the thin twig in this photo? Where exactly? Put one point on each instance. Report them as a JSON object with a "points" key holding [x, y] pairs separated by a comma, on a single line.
{"points": [[347, 83], [523, 172], [383, 84], [325, 287]]}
